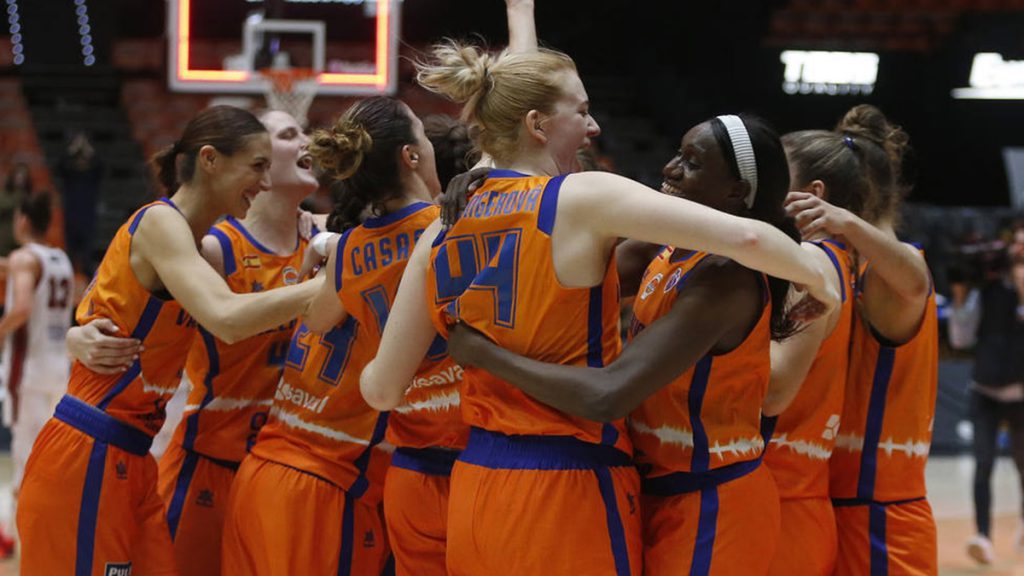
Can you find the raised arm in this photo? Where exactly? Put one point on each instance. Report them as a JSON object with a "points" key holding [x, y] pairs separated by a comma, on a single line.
{"points": [[721, 304], [522, 28], [163, 241], [608, 207], [898, 282], [407, 334], [326, 311], [793, 357]]}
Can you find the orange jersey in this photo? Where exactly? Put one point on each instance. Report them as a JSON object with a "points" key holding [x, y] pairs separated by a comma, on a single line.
{"points": [[805, 433], [138, 396], [231, 385], [710, 416], [319, 422], [375, 262], [888, 410], [493, 270]]}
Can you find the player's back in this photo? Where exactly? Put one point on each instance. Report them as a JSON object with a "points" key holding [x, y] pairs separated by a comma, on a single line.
{"points": [[494, 271], [38, 347], [317, 405], [137, 396], [888, 412], [232, 385], [806, 431], [710, 416]]}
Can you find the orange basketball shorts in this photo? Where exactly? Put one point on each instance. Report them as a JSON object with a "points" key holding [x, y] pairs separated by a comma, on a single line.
{"points": [[541, 505], [282, 521], [88, 504], [195, 492], [416, 509], [807, 541], [886, 539], [726, 527]]}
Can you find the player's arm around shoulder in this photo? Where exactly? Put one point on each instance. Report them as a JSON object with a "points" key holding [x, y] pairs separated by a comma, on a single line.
{"points": [[164, 253], [326, 310], [407, 334]]}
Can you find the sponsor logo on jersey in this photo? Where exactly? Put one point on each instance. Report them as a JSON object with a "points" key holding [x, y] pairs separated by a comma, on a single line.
{"points": [[290, 276], [450, 375], [122, 470], [288, 393], [651, 286], [119, 569], [673, 280], [369, 540], [250, 261]]}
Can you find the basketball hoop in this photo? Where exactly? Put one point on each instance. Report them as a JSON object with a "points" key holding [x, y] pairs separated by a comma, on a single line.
{"points": [[291, 90]]}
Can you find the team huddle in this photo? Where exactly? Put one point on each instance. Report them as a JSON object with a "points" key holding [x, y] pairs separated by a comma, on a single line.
{"points": [[396, 394]]}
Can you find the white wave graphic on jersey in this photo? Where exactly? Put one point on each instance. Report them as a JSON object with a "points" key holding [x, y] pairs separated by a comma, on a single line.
{"points": [[164, 390], [438, 403], [909, 447], [295, 421], [225, 404], [683, 438], [812, 450]]}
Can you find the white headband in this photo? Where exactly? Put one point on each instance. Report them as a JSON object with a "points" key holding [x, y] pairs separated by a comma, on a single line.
{"points": [[744, 152]]}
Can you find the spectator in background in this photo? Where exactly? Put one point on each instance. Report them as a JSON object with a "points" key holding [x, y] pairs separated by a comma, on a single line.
{"points": [[81, 172], [990, 318], [17, 187]]}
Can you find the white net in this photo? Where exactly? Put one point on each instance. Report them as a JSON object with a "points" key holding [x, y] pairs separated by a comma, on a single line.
{"points": [[291, 90]]}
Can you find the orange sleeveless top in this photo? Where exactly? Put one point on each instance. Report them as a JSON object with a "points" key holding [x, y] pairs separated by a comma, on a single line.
{"points": [[319, 422], [494, 271], [805, 432], [710, 416], [888, 412], [232, 385], [136, 397]]}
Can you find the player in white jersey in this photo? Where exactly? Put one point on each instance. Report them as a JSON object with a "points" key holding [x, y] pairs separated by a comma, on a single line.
{"points": [[37, 314]]}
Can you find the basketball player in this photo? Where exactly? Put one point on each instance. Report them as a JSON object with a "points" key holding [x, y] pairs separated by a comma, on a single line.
{"points": [[89, 502], [536, 239], [315, 470], [877, 478]]}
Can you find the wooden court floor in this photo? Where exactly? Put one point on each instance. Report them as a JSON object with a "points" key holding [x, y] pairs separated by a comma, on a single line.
{"points": [[949, 482]]}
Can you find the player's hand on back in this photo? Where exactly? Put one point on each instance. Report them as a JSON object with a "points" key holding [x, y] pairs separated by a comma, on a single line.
{"points": [[454, 199], [465, 344], [100, 349]]}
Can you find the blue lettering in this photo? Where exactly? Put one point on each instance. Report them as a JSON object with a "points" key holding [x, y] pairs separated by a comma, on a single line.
{"points": [[370, 257], [416, 235], [531, 204], [356, 268], [471, 206], [509, 202], [521, 200], [402, 245], [385, 251]]}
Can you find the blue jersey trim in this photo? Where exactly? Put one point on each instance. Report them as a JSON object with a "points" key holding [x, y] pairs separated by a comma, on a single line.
{"points": [[429, 461], [361, 483], [347, 527], [707, 526], [387, 219], [230, 266], [97, 424], [142, 328], [252, 239], [549, 205], [339, 259], [500, 173], [88, 513], [876, 417], [701, 459], [835, 262], [188, 469], [876, 535], [213, 365], [531, 452], [616, 532]]}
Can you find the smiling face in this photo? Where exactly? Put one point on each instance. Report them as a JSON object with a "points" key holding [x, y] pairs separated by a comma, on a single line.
{"points": [[699, 172], [291, 169], [569, 127], [238, 178]]}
